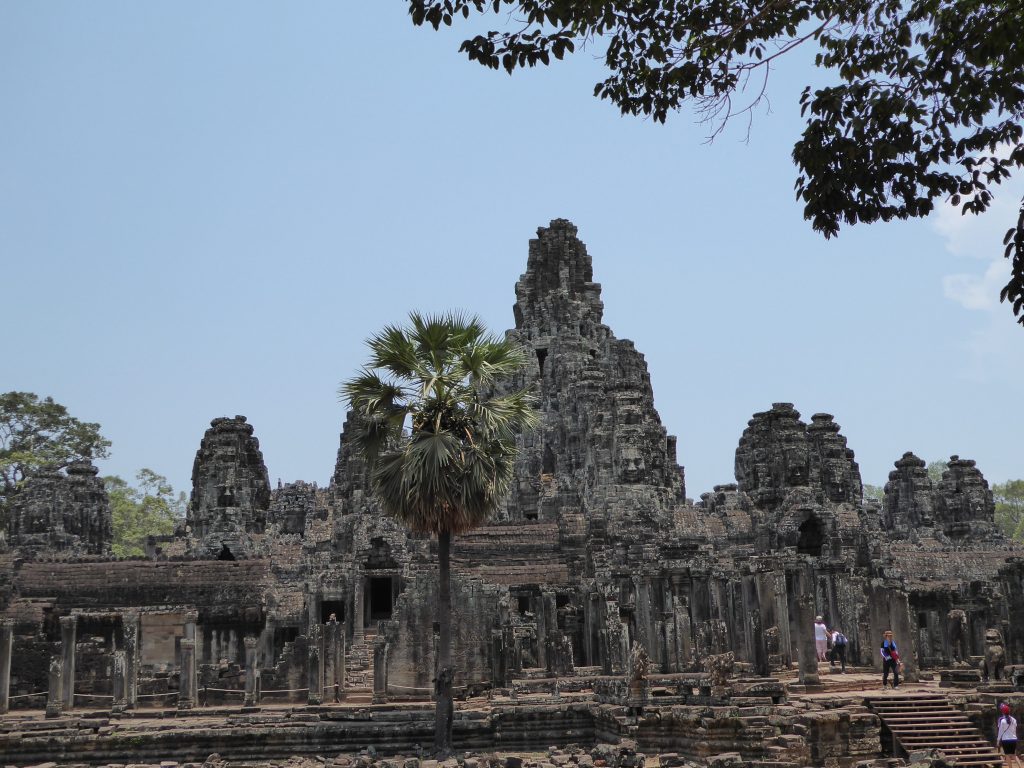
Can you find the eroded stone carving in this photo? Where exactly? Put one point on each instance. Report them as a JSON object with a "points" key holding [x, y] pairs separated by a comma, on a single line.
{"points": [[995, 656], [956, 635]]}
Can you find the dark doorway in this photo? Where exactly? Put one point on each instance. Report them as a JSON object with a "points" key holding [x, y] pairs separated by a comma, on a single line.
{"points": [[225, 553], [329, 607], [381, 598], [811, 537], [548, 465]]}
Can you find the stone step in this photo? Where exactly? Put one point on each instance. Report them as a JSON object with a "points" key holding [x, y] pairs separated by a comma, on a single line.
{"points": [[931, 722], [898, 712], [962, 738], [907, 699], [751, 701], [961, 722], [923, 710]]}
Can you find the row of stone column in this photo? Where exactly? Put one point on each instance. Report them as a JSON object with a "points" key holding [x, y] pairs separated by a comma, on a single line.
{"points": [[325, 666], [326, 662], [61, 673]]}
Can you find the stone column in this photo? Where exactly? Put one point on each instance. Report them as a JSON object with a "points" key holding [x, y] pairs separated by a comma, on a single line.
{"points": [[358, 609], [187, 688], [905, 629], [315, 671], [68, 637], [547, 623], [6, 641], [130, 629], [623, 647], [604, 651], [683, 633], [120, 682], [55, 690], [251, 672], [757, 638], [380, 671], [591, 651], [805, 634], [191, 617], [334, 659], [782, 620], [497, 658]]}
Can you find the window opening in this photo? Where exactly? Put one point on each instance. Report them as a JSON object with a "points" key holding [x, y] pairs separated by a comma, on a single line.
{"points": [[332, 607], [811, 537]]}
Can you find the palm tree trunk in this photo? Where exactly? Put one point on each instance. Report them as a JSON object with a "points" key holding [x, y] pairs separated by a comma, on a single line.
{"points": [[444, 710]]}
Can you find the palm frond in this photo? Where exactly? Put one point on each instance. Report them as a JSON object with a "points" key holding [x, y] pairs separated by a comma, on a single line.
{"points": [[506, 416], [457, 463], [370, 392], [393, 351]]}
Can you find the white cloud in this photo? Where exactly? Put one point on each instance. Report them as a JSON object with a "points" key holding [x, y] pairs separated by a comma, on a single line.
{"points": [[973, 291], [992, 348], [979, 238]]}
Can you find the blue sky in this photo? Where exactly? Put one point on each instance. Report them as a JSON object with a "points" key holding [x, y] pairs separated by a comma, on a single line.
{"points": [[206, 207]]}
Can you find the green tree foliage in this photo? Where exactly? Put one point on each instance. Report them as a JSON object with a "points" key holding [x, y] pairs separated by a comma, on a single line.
{"points": [[1010, 507], [151, 508], [935, 470], [926, 101], [440, 441], [873, 493], [36, 432]]}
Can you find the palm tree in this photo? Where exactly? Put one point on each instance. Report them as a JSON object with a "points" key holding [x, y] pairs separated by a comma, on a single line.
{"points": [[440, 441]]}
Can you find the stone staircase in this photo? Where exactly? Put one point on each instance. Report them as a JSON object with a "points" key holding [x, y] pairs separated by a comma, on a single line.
{"points": [[929, 721], [359, 669]]}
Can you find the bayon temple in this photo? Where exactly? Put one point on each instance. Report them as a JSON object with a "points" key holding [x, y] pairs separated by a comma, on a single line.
{"points": [[600, 590]]}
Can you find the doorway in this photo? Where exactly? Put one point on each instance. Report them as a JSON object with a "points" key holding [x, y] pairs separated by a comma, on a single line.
{"points": [[382, 598]]}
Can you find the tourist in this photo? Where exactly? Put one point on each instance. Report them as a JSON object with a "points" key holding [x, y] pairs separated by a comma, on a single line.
{"points": [[820, 638], [839, 642], [890, 660], [1006, 730]]}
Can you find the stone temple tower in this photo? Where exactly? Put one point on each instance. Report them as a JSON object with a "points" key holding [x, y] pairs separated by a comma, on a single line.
{"points": [[601, 462], [230, 490], [58, 512]]}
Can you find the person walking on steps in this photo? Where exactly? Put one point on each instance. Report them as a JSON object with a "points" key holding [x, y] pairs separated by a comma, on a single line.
{"points": [[820, 638], [839, 642], [890, 660], [1006, 734]]}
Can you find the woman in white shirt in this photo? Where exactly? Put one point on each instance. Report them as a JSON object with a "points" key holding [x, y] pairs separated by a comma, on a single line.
{"points": [[1006, 730], [820, 638]]}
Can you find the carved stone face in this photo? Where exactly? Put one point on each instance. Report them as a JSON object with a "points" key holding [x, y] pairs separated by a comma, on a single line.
{"points": [[993, 637], [631, 464]]}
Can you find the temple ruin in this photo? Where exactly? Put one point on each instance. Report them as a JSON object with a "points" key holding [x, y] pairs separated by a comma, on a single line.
{"points": [[599, 586]]}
